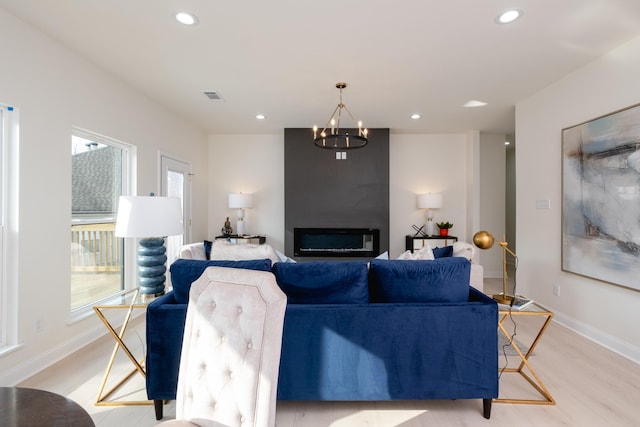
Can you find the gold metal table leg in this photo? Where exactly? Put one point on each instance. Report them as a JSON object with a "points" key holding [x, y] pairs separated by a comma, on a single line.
{"points": [[525, 366], [101, 399]]}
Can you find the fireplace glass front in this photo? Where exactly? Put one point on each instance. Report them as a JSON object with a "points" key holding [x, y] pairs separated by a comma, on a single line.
{"points": [[336, 242]]}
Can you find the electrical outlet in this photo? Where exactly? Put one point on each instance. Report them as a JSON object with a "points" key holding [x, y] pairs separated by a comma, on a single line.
{"points": [[39, 324], [556, 290]]}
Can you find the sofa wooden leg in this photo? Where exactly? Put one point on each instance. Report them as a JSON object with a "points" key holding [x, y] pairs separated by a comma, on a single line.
{"points": [[486, 408], [158, 404]]}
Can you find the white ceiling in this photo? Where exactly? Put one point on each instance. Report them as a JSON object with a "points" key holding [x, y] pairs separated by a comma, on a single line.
{"points": [[282, 58]]}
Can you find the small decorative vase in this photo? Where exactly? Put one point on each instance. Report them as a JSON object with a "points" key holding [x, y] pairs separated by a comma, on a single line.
{"points": [[444, 231]]}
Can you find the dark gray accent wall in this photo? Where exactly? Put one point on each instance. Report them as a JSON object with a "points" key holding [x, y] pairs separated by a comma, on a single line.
{"points": [[321, 191]]}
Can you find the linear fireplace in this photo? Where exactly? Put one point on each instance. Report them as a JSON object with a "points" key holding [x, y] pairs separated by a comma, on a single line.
{"points": [[336, 242]]}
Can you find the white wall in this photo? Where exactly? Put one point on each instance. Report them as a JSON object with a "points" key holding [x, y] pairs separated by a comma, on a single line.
{"points": [[604, 312], [421, 164], [248, 164], [255, 164], [55, 90], [492, 200]]}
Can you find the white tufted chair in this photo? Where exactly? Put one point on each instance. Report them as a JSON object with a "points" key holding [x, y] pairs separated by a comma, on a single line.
{"points": [[231, 350]]}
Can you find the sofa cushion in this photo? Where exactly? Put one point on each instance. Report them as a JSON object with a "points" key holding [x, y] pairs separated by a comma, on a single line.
{"points": [[439, 280], [323, 282], [185, 271]]}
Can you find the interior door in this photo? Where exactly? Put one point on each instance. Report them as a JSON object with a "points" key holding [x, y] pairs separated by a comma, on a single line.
{"points": [[176, 182]]}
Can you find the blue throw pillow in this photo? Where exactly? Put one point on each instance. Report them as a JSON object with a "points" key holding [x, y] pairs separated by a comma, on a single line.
{"points": [[439, 280], [186, 271], [323, 282], [207, 248], [444, 252]]}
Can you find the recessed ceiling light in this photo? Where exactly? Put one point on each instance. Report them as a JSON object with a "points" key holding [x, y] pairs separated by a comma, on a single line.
{"points": [[507, 143], [415, 116], [474, 103], [508, 16], [186, 18], [260, 116]]}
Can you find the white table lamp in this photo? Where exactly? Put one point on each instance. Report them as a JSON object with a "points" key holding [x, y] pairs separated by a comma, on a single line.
{"points": [[430, 202], [241, 202], [150, 219]]}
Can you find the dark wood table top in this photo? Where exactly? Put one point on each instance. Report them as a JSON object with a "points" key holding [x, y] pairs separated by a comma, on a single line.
{"points": [[30, 407]]}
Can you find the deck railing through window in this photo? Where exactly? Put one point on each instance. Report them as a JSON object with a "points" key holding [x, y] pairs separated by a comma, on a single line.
{"points": [[94, 248]]}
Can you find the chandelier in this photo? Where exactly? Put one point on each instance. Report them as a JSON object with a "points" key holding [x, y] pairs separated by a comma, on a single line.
{"points": [[334, 138]]}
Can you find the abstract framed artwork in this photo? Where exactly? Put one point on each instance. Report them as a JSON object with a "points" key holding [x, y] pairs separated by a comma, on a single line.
{"points": [[601, 198]]}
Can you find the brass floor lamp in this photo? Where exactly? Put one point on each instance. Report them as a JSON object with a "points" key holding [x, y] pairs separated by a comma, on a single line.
{"points": [[484, 240]]}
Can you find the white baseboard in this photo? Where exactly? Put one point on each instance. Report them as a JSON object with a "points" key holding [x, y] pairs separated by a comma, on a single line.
{"points": [[604, 339], [42, 361], [30, 367]]}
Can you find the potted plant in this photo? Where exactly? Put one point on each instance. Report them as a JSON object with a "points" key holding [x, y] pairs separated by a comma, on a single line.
{"points": [[444, 227]]}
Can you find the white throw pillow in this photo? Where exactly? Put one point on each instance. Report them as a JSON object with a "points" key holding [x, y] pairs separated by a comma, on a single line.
{"points": [[464, 249], [283, 258], [406, 255], [223, 250], [424, 253]]}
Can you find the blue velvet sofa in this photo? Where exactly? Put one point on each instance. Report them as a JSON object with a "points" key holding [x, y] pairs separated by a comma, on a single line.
{"points": [[388, 330]]}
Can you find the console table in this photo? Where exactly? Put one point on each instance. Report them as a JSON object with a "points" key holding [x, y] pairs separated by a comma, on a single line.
{"points": [[416, 242], [234, 238]]}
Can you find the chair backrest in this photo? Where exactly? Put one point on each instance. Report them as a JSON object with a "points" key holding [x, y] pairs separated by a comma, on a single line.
{"points": [[231, 349]]}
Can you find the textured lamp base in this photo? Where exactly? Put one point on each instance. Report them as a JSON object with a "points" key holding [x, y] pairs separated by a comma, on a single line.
{"points": [[431, 228], [152, 266]]}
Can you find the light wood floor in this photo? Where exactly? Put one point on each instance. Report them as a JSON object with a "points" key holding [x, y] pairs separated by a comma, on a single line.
{"points": [[591, 385]]}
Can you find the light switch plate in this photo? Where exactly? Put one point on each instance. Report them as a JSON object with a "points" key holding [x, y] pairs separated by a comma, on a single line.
{"points": [[543, 204]]}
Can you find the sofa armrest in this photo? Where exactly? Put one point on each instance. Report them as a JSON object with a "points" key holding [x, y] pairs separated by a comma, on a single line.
{"points": [[165, 328], [192, 251], [477, 277]]}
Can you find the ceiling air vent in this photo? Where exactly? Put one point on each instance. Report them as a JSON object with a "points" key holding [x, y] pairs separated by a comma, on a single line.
{"points": [[214, 96]]}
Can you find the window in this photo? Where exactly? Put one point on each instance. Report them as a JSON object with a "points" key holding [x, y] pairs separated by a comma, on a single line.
{"points": [[100, 175], [8, 232]]}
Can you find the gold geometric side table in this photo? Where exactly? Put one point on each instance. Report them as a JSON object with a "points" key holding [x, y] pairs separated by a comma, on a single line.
{"points": [[130, 301], [525, 369]]}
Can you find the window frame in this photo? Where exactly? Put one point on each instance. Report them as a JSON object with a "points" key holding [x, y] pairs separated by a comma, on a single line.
{"points": [[9, 120], [128, 185]]}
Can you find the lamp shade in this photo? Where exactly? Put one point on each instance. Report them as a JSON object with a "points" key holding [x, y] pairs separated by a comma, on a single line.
{"points": [[430, 201], [149, 216], [240, 200]]}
